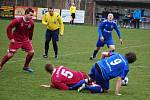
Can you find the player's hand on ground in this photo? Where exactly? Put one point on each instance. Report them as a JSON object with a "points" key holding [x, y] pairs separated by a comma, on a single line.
{"points": [[121, 41], [12, 41], [118, 94], [102, 39], [46, 86]]}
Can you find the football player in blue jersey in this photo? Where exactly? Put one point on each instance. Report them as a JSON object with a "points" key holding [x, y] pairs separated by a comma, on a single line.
{"points": [[105, 35], [112, 65]]}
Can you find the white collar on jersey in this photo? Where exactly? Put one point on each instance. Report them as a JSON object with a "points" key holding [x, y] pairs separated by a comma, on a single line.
{"points": [[54, 71], [110, 20]]}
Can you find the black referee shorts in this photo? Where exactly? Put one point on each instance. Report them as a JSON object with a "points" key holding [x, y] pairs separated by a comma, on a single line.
{"points": [[73, 15]]}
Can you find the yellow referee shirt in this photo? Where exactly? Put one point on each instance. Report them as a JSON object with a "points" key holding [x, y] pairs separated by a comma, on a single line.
{"points": [[53, 22], [73, 9]]}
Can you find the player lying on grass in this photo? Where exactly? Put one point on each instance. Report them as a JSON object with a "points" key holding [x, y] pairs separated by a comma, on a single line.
{"points": [[62, 77], [66, 79], [112, 65]]}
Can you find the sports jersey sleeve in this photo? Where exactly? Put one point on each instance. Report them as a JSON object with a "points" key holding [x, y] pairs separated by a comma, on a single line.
{"points": [[70, 9], [61, 25], [100, 29], [13, 23], [60, 85], [125, 72], [117, 30], [112, 53], [31, 32], [44, 20]]}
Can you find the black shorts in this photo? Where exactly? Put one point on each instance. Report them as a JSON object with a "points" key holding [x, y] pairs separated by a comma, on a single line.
{"points": [[54, 35], [73, 15]]}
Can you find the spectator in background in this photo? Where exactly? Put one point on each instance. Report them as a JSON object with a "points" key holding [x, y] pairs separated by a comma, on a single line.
{"points": [[130, 18], [104, 13], [142, 17], [110, 11], [125, 18], [98, 18], [142, 12], [53, 21], [137, 17], [72, 11], [116, 16]]}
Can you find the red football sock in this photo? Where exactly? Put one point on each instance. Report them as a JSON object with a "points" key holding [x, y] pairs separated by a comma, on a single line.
{"points": [[4, 60], [28, 59]]}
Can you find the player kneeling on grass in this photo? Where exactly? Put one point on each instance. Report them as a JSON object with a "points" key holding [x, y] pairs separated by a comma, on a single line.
{"points": [[20, 32], [62, 77], [112, 65]]}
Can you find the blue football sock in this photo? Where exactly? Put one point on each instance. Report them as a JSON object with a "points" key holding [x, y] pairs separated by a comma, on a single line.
{"points": [[77, 85], [95, 53], [93, 89]]}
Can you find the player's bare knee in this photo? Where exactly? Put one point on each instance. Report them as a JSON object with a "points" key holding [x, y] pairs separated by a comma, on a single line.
{"points": [[31, 52], [112, 47], [10, 54], [97, 48]]}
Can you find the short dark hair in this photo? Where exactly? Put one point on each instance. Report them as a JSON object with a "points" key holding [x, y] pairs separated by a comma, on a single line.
{"points": [[28, 10], [49, 68], [50, 8], [131, 57]]}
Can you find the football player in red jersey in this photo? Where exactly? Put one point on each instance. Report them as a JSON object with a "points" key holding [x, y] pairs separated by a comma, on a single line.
{"points": [[20, 32], [62, 77]]}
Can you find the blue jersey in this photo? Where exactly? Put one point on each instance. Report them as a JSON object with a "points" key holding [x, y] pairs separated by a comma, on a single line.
{"points": [[105, 29], [114, 66]]}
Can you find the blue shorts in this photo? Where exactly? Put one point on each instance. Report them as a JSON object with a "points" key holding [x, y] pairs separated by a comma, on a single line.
{"points": [[54, 35], [97, 76], [101, 44]]}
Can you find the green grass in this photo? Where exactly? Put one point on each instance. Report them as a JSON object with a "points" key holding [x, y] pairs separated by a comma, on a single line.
{"points": [[75, 48]]}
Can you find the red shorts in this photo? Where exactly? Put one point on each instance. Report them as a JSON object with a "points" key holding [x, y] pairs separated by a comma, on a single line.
{"points": [[25, 46]]}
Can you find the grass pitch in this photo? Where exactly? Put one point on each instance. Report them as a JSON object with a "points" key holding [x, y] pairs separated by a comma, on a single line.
{"points": [[75, 48]]}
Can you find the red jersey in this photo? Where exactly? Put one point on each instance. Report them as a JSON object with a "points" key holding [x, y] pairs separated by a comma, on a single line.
{"points": [[20, 30], [63, 77]]}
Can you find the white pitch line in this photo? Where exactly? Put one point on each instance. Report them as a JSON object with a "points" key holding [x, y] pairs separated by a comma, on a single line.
{"points": [[78, 53], [136, 46]]}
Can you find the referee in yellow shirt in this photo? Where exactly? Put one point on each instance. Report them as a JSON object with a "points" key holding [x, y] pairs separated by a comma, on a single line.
{"points": [[53, 21], [72, 11]]}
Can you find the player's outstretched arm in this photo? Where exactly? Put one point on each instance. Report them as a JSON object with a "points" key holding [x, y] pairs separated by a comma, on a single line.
{"points": [[118, 86], [61, 25], [46, 86]]}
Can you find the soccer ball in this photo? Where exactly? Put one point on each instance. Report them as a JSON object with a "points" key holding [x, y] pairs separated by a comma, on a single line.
{"points": [[125, 81]]}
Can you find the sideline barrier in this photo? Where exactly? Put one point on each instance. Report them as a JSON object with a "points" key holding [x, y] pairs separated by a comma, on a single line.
{"points": [[6, 11], [18, 11]]}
